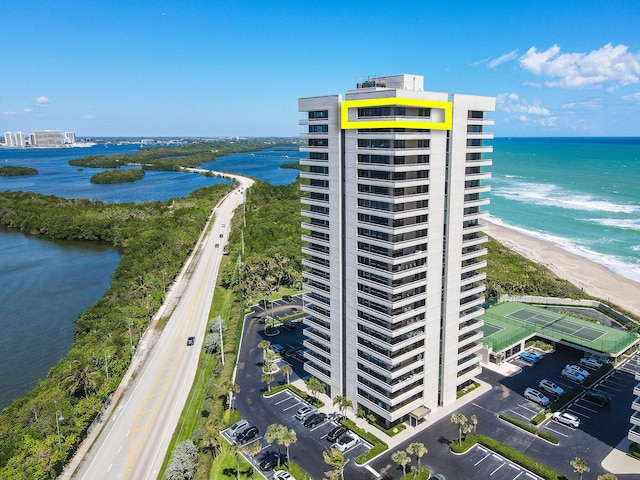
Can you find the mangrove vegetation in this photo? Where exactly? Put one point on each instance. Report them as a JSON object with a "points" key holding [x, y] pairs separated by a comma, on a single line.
{"points": [[117, 176], [13, 171]]}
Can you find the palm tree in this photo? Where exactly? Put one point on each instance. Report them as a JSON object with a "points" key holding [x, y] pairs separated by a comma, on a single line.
{"points": [[460, 420], [402, 459], [579, 466], [288, 438], [419, 450], [274, 433], [474, 423], [268, 378], [315, 386], [264, 345], [235, 451], [335, 459], [607, 476], [287, 370], [343, 403]]}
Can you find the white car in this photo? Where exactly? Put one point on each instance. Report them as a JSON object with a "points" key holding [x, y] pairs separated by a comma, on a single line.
{"points": [[237, 427], [283, 475], [304, 411], [346, 442], [591, 363], [572, 375], [550, 387], [535, 396], [578, 370], [567, 419]]}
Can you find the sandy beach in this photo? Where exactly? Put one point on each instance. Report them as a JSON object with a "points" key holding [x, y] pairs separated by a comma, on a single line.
{"points": [[593, 278]]}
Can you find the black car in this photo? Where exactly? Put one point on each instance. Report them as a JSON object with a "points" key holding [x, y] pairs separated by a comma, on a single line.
{"points": [[336, 433], [247, 435], [191, 341], [264, 303], [287, 298], [600, 398], [271, 462], [315, 419], [289, 326]]}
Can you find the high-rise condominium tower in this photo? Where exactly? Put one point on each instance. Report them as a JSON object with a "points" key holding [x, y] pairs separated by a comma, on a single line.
{"points": [[393, 244]]}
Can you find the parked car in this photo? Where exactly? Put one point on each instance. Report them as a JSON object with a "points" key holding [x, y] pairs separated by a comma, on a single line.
{"points": [[247, 435], [237, 427], [277, 348], [336, 433], [550, 387], [529, 357], [437, 476], [572, 375], [346, 442], [578, 370], [264, 303], [300, 354], [287, 298], [591, 363], [283, 475], [314, 419], [289, 326], [567, 419], [305, 410], [595, 396], [536, 396], [271, 462], [191, 341]]}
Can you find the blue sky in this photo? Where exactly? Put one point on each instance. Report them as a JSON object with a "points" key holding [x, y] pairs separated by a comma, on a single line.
{"points": [[209, 68]]}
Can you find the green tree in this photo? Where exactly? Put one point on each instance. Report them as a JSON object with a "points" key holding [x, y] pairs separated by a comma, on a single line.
{"points": [[268, 378], [343, 403], [287, 370], [275, 433], [419, 450], [288, 438], [402, 459], [315, 387], [335, 459], [607, 476], [579, 466], [474, 423], [460, 420]]}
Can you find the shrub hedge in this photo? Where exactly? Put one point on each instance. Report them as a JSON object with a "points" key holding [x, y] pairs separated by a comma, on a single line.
{"points": [[529, 428], [378, 445]]}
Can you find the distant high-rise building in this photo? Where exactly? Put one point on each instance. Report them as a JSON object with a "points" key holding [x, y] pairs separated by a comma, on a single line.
{"points": [[14, 139], [69, 138], [393, 243], [46, 138]]}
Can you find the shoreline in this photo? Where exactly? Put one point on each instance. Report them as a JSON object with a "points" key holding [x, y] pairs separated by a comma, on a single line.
{"points": [[593, 278]]}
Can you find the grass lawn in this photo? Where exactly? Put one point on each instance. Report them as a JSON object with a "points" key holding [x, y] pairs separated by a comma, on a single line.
{"points": [[224, 467]]}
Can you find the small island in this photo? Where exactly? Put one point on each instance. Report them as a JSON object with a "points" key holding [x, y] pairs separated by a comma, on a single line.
{"points": [[11, 171], [117, 176]]}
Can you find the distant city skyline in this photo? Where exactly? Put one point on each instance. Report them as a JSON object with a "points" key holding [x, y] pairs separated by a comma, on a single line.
{"points": [[208, 69]]}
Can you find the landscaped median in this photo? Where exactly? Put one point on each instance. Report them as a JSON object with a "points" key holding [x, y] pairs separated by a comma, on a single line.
{"points": [[529, 428], [510, 454]]}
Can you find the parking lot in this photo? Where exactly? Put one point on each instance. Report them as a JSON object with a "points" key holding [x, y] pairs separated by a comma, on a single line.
{"points": [[487, 464]]}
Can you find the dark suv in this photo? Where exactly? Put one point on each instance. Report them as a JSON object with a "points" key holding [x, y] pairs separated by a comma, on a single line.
{"points": [[314, 419], [600, 398], [247, 435], [336, 433]]}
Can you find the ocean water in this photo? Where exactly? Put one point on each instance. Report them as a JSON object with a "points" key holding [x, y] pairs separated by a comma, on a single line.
{"points": [[580, 194]]}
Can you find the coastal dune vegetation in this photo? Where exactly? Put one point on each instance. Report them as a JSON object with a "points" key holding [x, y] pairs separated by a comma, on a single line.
{"points": [[154, 240]]}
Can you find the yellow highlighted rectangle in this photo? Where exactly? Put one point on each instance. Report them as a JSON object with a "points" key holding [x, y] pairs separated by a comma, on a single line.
{"points": [[399, 122]]}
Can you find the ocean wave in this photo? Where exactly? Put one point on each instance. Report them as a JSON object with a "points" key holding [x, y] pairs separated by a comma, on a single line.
{"points": [[623, 223], [552, 195], [627, 268]]}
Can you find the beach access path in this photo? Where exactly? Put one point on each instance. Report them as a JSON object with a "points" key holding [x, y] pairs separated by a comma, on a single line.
{"points": [[593, 278]]}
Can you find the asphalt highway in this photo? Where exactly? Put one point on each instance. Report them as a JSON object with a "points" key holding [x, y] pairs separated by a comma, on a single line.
{"points": [[134, 442]]}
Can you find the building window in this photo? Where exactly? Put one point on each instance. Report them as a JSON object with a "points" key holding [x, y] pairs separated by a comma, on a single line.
{"points": [[318, 156], [318, 142], [318, 128], [318, 114]]}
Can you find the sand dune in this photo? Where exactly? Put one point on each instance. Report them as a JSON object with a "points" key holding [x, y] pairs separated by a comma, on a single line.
{"points": [[593, 278]]}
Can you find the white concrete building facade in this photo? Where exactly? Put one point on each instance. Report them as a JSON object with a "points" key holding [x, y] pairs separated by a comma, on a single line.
{"points": [[393, 245]]}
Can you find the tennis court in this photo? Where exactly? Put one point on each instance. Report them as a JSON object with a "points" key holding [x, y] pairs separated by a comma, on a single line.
{"points": [[508, 323]]}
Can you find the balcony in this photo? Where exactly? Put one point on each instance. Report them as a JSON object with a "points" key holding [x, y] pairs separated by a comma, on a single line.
{"points": [[468, 375], [638, 375], [476, 176], [474, 254], [635, 419], [636, 390], [634, 434], [636, 404], [473, 325], [318, 372]]}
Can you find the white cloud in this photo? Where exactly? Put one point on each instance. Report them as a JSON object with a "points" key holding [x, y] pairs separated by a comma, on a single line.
{"points": [[516, 108], [503, 58], [634, 97], [87, 117], [42, 102], [609, 66], [27, 110], [594, 104]]}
